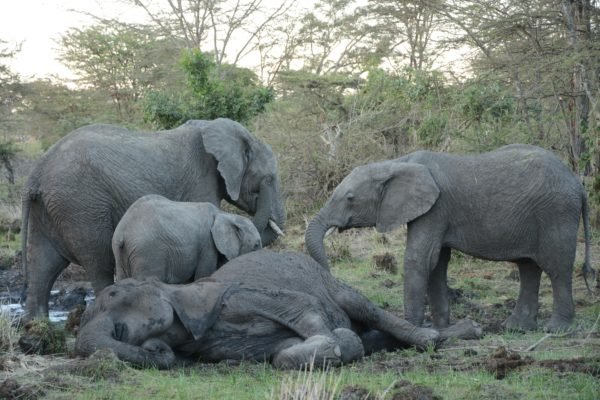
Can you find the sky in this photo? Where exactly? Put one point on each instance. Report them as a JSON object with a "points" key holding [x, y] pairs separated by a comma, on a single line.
{"points": [[38, 25]]}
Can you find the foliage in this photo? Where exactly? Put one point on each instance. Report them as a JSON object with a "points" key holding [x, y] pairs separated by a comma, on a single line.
{"points": [[211, 93], [42, 337], [9, 332], [122, 61], [8, 152], [10, 88]]}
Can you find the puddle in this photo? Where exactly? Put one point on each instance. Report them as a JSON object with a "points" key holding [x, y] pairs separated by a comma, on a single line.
{"points": [[15, 310]]}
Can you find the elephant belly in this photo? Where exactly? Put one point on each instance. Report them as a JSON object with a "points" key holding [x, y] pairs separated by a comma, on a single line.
{"points": [[257, 341]]}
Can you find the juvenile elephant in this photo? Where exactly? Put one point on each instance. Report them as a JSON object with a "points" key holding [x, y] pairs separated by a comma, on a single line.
{"points": [[519, 203], [263, 306], [82, 186], [178, 242]]}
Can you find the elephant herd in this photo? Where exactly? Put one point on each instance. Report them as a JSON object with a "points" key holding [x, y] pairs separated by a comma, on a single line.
{"points": [[194, 282]]}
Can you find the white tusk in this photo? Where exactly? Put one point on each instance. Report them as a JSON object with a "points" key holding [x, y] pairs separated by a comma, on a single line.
{"points": [[330, 231], [275, 228]]}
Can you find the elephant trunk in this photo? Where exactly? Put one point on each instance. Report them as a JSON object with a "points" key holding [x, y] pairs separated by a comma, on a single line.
{"points": [[269, 210], [99, 334], [315, 233]]}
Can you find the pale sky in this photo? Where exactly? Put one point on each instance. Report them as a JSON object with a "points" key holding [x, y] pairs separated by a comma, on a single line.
{"points": [[38, 24]]}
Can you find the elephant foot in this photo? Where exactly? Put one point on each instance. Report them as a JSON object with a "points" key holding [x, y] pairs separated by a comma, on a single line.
{"points": [[464, 329], [351, 345], [159, 354], [558, 325], [519, 324], [321, 351], [424, 337]]}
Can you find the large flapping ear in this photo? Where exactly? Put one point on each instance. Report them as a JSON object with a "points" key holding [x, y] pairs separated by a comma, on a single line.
{"points": [[228, 142], [409, 193], [226, 236], [197, 304]]}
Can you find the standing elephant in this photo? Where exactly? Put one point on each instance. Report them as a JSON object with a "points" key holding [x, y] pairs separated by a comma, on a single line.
{"points": [[178, 242], [262, 306], [80, 188], [519, 203]]}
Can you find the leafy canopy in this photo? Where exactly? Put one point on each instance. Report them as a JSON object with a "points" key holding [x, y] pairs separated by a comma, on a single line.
{"points": [[211, 92]]}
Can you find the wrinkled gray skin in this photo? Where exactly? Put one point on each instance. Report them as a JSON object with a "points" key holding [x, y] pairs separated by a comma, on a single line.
{"points": [[519, 203], [284, 308], [81, 187], [178, 242]]}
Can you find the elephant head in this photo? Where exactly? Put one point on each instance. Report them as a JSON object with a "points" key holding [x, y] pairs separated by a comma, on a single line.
{"points": [[386, 195], [234, 235], [249, 170], [131, 317]]}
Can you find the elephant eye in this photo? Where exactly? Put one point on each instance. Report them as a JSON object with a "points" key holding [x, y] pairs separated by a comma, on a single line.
{"points": [[350, 197]]}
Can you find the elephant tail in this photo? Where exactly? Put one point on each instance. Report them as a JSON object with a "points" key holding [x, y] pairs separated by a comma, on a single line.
{"points": [[28, 196], [587, 269]]}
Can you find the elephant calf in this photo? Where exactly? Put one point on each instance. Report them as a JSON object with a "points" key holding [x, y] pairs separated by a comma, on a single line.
{"points": [[284, 308], [179, 242], [519, 203]]}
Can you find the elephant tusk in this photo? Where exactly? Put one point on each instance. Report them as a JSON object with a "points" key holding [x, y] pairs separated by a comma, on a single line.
{"points": [[275, 228], [330, 231]]}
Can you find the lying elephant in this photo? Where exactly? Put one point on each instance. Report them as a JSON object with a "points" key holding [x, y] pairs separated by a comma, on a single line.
{"points": [[178, 242], [284, 308]]}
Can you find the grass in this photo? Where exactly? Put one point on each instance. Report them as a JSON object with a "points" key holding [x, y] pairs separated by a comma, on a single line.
{"points": [[456, 371]]}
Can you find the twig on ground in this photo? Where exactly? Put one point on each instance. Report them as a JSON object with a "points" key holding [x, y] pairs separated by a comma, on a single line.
{"points": [[536, 344], [593, 328]]}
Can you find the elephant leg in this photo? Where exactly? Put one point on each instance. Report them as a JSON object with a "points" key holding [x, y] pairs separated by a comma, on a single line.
{"points": [[437, 291], [423, 247], [44, 265], [99, 263], [341, 346], [524, 316], [363, 311], [563, 309]]}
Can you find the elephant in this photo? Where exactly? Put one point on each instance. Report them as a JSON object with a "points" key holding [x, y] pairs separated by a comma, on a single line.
{"points": [[518, 203], [81, 187], [178, 242], [262, 306]]}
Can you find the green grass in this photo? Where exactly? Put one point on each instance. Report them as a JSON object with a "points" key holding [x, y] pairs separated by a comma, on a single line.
{"points": [[456, 371]]}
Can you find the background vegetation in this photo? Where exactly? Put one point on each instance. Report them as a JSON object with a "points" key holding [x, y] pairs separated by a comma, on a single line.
{"points": [[332, 87], [338, 85]]}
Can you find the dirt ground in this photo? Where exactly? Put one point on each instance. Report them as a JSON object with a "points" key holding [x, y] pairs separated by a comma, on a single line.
{"points": [[30, 376]]}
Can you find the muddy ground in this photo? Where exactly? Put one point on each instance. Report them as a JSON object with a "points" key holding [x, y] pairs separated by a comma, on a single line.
{"points": [[34, 376]]}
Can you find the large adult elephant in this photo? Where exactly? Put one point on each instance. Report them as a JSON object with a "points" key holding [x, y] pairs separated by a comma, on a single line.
{"points": [[519, 203], [178, 242], [80, 188], [262, 306]]}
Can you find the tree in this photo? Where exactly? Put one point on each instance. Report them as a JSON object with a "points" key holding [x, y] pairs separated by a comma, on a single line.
{"points": [[227, 29], [409, 28], [10, 86], [547, 51], [123, 61], [229, 91], [10, 95]]}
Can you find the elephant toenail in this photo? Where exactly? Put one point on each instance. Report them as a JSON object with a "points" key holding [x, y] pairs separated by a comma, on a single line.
{"points": [[337, 351]]}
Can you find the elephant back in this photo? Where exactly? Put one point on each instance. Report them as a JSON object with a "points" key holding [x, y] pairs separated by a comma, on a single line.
{"points": [[289, 271]]}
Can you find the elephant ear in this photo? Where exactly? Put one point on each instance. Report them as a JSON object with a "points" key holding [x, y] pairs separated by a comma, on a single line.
{"points": [[409, 193], [226, 235], [197, 305], [228, 142]]}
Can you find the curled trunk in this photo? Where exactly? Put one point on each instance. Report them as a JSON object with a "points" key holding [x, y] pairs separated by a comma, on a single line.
{"points": [[315, 233]]}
